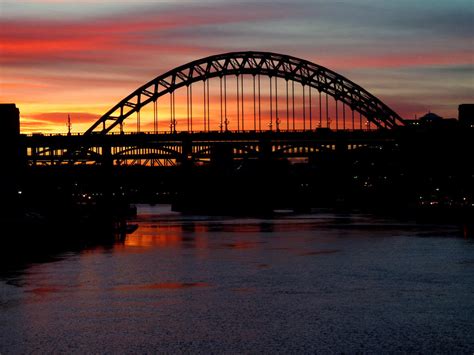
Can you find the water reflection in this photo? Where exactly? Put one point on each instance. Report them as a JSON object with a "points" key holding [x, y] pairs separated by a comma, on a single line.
{"points": [[295, 283]]}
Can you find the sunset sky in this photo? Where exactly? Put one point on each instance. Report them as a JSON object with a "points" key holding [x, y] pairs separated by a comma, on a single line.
{"points": [[60, 57]]}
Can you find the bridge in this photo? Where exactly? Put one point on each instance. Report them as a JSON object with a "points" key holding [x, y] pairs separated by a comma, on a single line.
{"points": [[240, 105], [248, 129]]}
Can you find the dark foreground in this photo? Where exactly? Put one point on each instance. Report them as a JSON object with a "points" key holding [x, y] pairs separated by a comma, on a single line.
{"points": [[295, 283]]}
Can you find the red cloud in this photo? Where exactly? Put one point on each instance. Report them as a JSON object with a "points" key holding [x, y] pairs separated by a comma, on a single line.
{"points": [[114, 39]]}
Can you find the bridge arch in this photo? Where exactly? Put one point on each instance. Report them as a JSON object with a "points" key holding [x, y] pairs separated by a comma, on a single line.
{"points": [[268, 64], [160, 152]]}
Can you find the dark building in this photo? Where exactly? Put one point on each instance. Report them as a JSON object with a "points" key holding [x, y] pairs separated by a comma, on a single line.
{"points": [[466, 114], [432, 121], [431, 118], [9, 146]]}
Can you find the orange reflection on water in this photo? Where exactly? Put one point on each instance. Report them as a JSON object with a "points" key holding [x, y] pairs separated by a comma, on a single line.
{"points": [[147, 241], [178, 236], [153, 236]]}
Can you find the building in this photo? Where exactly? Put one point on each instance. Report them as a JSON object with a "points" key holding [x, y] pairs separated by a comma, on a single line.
{"points": [[466, 114], [10, 148]]}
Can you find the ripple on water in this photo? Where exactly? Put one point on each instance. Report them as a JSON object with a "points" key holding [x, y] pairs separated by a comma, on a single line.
{"points": [[162, 286]]}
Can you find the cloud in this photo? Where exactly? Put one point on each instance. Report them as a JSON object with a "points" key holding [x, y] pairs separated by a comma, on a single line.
{"points": [[118, 39], [56, 121], [64, 56], [54, 117]]}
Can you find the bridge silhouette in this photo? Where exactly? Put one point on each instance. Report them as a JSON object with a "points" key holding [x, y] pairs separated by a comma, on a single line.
{"points": [[243, 132], [239, 105], [251, 130]]}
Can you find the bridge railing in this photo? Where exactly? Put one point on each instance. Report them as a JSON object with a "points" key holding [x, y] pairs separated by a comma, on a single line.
{"points": [[168, 132]]}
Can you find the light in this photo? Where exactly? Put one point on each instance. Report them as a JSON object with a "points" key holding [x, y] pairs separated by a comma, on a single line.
{"points": [[20, 192]]}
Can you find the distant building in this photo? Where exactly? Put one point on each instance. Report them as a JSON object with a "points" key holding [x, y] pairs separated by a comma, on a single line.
{"points": [[410, 122], [432, 120], [10, 117], [466, 114]]}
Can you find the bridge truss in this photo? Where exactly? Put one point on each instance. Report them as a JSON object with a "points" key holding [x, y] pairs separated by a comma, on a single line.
{"points": [[247, 106], [171, 149], [271, 104]]}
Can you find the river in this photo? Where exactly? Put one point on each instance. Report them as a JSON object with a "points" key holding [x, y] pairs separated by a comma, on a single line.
{"points": [[320, 282]]}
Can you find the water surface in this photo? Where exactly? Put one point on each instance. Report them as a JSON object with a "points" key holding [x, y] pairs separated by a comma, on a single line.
{"points": [[318, 282]]}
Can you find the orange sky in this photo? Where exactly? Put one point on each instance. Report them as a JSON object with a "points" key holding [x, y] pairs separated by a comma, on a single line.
{"points": [[62, 57]]}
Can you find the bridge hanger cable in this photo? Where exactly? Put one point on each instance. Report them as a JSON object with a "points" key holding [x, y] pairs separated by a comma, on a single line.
{"points": [[221, 107], [343, 116], [204, 104], [238, 105], [310, 109], [171, 110], [287, 109], [259, 106], [320, 111], [187, 107], [276, 104], [293, 105], [191, 106], [271, 105], [226, 121], [208, 108], [328, 124], [174, 112], [242, 91], [155, 116], [304, 108], [254, 106]]}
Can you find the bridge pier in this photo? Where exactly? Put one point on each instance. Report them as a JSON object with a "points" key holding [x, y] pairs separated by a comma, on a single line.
{"points": [[222, 155], [342, 172], [265, 149], [107, 159], [187, 152]]}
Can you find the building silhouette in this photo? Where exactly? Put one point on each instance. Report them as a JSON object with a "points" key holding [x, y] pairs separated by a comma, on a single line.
{"points": [[466, 114], [9, 145]]}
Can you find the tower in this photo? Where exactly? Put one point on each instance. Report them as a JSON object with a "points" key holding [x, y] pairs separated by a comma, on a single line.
{"points": [[10, 148]]}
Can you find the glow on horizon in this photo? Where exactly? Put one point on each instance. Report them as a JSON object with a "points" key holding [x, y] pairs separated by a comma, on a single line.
{"points": [[86, 59]]}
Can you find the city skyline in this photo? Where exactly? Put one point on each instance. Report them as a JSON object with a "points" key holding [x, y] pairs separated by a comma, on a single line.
{"points": [[65, 57]]}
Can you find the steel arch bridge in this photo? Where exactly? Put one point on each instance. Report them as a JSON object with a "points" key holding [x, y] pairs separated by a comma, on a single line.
{"points": [[256, 64], [320, 127]]}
